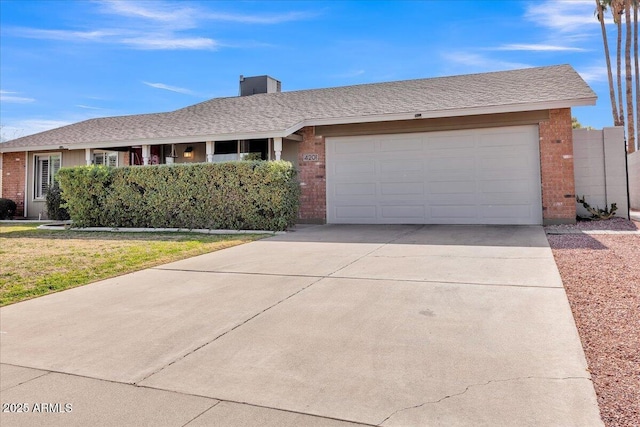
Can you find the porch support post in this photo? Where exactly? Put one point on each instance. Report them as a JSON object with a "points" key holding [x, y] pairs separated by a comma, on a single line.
{"points": [[211, 149], [88, 156], [146, 154], [269, 144], [277, 147]]}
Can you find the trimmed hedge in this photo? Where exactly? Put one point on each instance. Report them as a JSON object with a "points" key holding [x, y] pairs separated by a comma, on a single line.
{"points": [[251, 195]]}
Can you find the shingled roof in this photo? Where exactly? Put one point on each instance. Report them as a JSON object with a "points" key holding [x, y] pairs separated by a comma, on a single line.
{"points": [[281, 114]]}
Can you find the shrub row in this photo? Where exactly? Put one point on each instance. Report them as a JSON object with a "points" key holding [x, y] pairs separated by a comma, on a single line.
{"points": [[252, 195]]}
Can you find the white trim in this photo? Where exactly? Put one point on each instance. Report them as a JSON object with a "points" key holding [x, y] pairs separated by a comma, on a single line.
{"points": [[210, 147], [284, 133]]}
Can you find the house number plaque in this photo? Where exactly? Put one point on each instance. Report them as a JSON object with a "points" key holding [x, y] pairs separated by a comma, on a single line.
{"points": [[310, 157]]}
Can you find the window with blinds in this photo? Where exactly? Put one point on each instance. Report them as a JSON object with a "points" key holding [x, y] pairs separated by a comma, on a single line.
{"points": [[46, 167]]}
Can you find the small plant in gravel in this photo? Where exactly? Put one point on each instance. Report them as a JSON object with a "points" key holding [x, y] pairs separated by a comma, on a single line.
{"points": [[598, 214]]}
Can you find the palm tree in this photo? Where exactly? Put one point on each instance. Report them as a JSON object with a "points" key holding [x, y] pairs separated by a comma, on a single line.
{"points": [[601, 7], [631, 133], [637, 70], [617, 7]]}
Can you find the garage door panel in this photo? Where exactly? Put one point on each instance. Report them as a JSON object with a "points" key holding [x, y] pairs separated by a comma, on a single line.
{"points": [[481, 176], [404, 144], [403, 212], [452, 187], [355, 189], [400, 166], [359, 147], [448, 142], [505, 212], [357, 212], [402, 188], [502, 198], [504, 186], [453, 212], [346, 169], [451, 163]]}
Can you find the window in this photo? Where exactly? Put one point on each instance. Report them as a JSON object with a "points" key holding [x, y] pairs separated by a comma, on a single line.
{"points": [[105, 158], [46, 168]]}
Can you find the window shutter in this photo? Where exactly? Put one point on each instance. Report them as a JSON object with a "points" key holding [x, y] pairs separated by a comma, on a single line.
{"points": [[44, 177]]}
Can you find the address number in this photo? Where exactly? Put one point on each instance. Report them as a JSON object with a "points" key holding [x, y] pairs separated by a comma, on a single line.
{"points": [[310, 157]]}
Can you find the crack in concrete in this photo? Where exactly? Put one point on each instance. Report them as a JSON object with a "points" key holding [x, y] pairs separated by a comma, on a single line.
{"points": [[201, 413], [396, 238], [384, 279], [478, 385], [319, 278], [27, 381], [227, 331]]}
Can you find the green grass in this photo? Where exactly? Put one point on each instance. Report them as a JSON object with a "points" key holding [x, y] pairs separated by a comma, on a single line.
{"points": [[38, 262]]}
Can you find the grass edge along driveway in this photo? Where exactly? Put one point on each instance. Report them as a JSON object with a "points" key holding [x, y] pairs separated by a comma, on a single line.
{"points": [[39, 262]]}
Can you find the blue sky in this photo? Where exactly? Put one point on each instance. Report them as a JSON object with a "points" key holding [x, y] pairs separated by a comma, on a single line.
{"points": [[66, 61]]}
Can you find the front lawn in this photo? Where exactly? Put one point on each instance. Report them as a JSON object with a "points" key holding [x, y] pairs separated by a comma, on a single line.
{"points": [[37, 262]]}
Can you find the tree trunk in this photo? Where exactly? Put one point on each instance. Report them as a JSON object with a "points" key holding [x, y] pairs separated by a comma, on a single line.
{"points": [[619, 72], [631, 132], [612, 92], [637, 70]]}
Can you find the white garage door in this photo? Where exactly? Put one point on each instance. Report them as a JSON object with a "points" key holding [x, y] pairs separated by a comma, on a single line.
{"points": [[480, 176]]}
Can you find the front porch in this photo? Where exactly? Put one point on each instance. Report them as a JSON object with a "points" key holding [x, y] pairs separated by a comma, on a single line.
{"points": [[197, 152]]}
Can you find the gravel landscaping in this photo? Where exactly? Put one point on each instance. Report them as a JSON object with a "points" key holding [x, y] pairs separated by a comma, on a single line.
{"points": [[601, 274]]}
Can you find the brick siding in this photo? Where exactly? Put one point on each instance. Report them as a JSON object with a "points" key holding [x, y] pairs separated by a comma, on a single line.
{"points": [[13, 165], [312, 175], [556, 168]]}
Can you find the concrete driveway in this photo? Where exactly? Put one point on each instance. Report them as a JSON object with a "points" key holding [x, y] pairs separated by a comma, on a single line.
{"points": [[324, 326]]}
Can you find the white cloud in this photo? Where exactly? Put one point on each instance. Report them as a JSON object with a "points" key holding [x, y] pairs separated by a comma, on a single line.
{"points": [[593, 74], [478, 63], [88, 107], [170, 88], [162, 42], [64, 35], [10, 97], [260, 19], [536, 47], [564, 16], [179, 16]]}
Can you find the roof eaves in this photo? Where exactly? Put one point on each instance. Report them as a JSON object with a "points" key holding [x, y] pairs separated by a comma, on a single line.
{"points": [[458, 112]]}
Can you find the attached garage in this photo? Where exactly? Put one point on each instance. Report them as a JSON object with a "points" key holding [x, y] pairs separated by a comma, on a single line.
{"points": [[477, 176]]}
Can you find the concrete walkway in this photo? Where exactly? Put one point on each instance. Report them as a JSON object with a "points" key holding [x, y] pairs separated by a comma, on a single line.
{"points": [[324, 326]]}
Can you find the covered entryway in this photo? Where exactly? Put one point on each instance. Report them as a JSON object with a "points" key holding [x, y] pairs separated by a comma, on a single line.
{"points": [[477, 176]]}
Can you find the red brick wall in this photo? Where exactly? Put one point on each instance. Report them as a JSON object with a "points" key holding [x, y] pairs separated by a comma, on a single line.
{"points": [[556, 168], [312, 175], [13, 165]]}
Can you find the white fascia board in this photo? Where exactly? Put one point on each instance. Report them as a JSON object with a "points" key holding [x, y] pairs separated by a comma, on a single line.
{"points": [[31, 148]]}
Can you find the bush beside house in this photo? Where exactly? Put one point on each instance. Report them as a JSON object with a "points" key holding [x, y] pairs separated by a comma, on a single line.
{"points": [[252, 195], [7, 208], [55, 203]]}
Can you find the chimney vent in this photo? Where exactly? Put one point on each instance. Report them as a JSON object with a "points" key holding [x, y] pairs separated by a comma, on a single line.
{"points": [[259, 84]]}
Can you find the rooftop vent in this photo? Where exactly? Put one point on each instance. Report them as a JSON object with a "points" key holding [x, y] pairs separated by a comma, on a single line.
{"points": [[259, 84]]}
